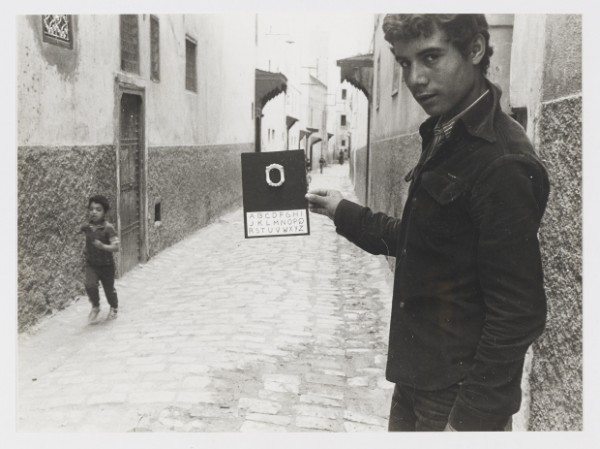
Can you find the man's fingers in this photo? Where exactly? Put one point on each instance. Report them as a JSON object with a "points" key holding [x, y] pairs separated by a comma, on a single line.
{"points": [[316, 199], [320, 192]]}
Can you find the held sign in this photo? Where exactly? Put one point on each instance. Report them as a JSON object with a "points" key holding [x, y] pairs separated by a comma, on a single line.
{"points": [[274, 185]]}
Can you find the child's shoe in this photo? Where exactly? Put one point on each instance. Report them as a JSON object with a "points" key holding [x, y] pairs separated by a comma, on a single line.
{"points": [[112, 314], [93, 314]]}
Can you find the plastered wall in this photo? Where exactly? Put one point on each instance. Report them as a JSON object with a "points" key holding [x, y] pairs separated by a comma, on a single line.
{"points": [[67, 138]]}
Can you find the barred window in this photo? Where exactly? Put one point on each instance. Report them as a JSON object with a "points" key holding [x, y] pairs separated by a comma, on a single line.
{"points": [[190, 64], [57, 29], [343, 120], [154, 49], [130, 54]]}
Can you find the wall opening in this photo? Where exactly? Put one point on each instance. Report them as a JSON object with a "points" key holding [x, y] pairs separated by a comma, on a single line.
{"points": [[190, 64], [157, 217]]}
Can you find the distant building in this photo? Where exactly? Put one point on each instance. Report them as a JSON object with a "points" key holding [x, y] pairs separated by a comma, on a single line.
{"points": [[351, 108], [297, 119], [132, 107], [356, 71], [317, 119]]}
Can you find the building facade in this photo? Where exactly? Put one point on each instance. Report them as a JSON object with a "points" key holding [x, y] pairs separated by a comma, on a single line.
{"points": [[549, 99], [130, 107], [279, 43], [351, 110], [537, 64]]}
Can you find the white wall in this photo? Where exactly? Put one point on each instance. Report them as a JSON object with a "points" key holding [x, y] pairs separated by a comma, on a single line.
{"points": [[526, 84], [398, 114], [221, 110], [274, 114], [67, 97]]}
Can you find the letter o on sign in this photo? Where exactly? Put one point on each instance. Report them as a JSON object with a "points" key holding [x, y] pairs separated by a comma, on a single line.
{"points": [[268, 170]]}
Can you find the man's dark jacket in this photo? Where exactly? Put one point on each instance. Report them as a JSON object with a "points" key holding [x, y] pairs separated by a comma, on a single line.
{"points": [[468, 292]]}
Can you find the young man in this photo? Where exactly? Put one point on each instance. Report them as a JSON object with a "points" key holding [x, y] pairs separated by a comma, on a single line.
{"points": [[468, 292]]}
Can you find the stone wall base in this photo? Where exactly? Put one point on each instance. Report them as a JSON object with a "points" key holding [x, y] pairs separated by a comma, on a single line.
{"points": [[194, 185], [556, 379]]}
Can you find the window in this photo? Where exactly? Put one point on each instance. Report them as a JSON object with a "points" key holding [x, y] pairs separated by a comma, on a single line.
{"points": [[343, 94], [57, 29], [343, 142], [190, 64], [396, 79], [130, 55], [343, 120], [154, 49]]}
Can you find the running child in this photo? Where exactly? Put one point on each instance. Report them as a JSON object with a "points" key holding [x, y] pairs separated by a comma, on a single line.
{"points": [[100, 242]]}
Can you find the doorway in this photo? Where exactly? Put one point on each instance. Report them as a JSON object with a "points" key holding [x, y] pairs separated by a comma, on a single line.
{"points": [[130, 176]]}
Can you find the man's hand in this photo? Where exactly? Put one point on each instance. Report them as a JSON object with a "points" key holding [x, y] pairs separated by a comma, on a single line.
{"points": [[323, 201]]}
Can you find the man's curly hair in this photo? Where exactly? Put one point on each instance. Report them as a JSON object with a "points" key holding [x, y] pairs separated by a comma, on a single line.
{"points": [[460, 29]]}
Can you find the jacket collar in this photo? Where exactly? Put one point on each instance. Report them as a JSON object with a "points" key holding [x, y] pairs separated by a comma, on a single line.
{"points": [[478, 121]]}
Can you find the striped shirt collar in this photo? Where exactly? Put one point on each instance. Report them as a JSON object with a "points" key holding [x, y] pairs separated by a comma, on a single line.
{"points": [[445, 128]]}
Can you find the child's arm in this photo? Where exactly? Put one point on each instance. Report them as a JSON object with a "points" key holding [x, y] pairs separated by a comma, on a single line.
{"points": [[113, 247]]}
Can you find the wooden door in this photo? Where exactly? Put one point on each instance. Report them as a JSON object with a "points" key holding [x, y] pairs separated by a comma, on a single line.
{"points": [[129, 174]]}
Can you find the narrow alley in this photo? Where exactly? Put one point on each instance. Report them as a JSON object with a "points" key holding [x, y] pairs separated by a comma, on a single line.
{"points": [[222, 334]]}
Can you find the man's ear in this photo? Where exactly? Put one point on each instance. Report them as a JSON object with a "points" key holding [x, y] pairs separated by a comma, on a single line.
{"points": [[477, 49]]}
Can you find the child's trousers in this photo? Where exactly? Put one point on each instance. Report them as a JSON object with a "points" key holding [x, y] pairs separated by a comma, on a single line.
{"points": [[106, 275]]}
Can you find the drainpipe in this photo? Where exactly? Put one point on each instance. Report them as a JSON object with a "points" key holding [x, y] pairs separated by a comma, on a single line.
{"points": [[368, 153], [258, 131]]}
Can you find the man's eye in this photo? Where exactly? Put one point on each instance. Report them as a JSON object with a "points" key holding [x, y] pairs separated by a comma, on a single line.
{"points": [[404, 64], [431, 58]]}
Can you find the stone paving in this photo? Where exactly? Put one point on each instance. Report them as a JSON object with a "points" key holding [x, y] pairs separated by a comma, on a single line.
{"points": [[222, 334]]}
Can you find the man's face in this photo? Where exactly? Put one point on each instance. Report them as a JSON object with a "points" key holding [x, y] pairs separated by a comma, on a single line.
{"points": [[439, 77]]}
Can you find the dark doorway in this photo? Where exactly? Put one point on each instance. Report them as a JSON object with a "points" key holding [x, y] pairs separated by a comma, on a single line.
{"points": [[130, 138]]}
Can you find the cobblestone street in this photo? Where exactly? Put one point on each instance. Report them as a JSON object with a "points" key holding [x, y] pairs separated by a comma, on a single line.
{"points": [[220, 333]]}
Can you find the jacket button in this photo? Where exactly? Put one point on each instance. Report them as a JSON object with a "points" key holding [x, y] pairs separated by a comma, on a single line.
{"points": [[401, 304]]}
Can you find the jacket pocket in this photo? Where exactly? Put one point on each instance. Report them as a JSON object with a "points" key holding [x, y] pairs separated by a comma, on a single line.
{"points": [[443, 188], [442, 212]]}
